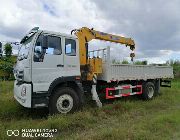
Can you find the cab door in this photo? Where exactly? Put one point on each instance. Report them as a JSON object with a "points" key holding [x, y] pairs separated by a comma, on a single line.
{"points": [[71, 56], [48, 63]]}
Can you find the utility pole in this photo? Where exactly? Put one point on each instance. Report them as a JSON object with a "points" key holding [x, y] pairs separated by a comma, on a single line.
{"points": [[1, 52]]}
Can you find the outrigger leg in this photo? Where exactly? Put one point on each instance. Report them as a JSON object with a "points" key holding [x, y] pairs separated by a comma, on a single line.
{"points": [[94, 93]]}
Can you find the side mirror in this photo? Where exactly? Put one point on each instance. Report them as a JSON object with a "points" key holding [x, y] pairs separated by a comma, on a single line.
{"points": [[45, 42], [38, 53], [38, 50]]}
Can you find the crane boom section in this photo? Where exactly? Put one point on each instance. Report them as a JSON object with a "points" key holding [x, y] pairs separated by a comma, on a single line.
{"points": [[85, 35], [113, 38]]}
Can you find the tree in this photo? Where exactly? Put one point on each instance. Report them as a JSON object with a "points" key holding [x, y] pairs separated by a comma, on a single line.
{"points": [[144, 62], [114, 61], [141, 62], [125, 61], [7, 49]]}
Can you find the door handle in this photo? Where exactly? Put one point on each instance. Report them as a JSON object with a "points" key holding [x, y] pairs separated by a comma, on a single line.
{"points": [[60, 65]]}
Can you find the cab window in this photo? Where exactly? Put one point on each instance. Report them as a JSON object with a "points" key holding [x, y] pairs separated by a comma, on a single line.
{"points": [[70, 47], [54, 47]]}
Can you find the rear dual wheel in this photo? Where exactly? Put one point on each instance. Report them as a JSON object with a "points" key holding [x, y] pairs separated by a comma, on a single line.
{"points": [[148, 90]]}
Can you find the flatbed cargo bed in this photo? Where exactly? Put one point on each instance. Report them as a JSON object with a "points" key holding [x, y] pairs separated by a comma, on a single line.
{"points": [[121, 72]]}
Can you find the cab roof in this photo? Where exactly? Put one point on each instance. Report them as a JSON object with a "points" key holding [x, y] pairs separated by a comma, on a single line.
{"points": [[58, 33]]}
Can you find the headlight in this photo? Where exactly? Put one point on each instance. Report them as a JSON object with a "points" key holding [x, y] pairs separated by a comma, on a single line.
{"points": [[20, 75], [23, 91]]}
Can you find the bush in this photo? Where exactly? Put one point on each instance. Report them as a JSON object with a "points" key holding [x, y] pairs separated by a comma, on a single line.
{"points": [[140, 62], [176, 67], [6, 66], [125, 62]]}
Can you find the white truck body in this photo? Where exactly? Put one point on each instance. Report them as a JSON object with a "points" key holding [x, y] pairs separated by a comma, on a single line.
{"points": [[40, 71], [121, 72]]}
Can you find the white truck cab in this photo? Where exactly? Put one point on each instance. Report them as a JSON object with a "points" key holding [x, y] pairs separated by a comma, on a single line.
{"points": [[44, 60]]}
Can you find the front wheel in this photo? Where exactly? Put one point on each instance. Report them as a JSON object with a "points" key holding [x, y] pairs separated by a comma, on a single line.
{"points": [[64, 100], [148, 90]]}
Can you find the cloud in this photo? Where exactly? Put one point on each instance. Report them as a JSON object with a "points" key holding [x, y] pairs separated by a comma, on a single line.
{"points": [[154, 25], [49, 9], [19, 16]]}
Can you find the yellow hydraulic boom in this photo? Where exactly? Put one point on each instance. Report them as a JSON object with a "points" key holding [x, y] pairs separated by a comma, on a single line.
{"points": [[85, 35]]}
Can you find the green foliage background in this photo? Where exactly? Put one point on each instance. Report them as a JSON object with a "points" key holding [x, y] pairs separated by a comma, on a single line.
{"points": [[6, 66], [8, 49], [7, 62], [127, 118]]}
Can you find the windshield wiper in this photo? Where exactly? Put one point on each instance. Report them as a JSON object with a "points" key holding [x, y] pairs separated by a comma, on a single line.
{"points": [[27, 37], [24, 39], [30, 34]]}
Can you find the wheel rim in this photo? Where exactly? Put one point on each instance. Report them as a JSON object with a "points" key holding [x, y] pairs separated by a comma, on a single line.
{"points": [[150, 91], [64, 103]]}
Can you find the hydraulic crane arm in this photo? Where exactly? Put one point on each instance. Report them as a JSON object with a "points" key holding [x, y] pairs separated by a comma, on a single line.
{"points": [[85, 35]]}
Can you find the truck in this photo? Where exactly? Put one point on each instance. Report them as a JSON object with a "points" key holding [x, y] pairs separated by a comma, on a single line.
{"points": [[58, 71]]}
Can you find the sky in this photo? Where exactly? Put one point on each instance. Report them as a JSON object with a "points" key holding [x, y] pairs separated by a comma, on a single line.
{"points": [[154, 25]]}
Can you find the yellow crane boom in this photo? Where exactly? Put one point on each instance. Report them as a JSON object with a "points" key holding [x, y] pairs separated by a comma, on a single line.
{"points": [[85, 35]]}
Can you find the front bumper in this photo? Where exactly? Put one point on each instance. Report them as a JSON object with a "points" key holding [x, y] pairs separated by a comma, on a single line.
{"points": [[23, 99], [30, 99]]}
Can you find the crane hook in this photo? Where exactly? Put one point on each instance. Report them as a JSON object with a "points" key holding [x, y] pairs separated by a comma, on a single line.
{"points": [[132, 55]]}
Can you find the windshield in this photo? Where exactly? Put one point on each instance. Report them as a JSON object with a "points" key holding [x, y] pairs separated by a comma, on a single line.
{"points": [[24, 48]]}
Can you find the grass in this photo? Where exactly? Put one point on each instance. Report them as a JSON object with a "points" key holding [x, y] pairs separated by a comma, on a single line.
{"points": [[126, 118]]}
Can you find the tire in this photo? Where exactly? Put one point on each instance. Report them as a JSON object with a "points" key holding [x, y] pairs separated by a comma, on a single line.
{"points": [[64, 100], [148, 90]]}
